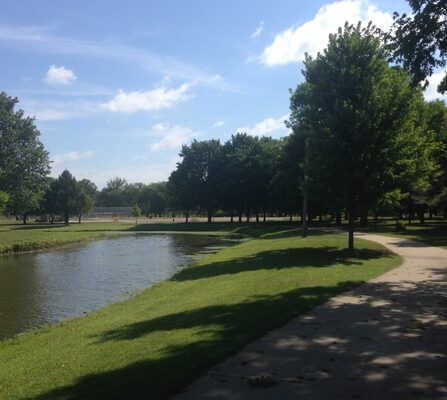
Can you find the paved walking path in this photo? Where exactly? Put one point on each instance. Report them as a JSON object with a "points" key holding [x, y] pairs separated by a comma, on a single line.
{"points": [[386, 339]]}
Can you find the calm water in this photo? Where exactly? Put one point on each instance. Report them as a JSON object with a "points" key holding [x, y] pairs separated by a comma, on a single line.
{"points": [[42, 288]]}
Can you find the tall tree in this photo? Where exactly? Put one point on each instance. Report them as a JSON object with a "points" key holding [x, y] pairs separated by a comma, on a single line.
{"points": [[85, 198], [420, 40], [67, 195], [24, 162], [359, 117], [201, 167]]}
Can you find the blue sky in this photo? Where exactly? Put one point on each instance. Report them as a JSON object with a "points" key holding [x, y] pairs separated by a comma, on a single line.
{"points": [[116, 87]]}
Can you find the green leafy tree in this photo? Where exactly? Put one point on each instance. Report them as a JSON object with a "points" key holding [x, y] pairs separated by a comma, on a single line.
{"points": [[201, 167], [4, 198], [136, 212], [85, 198], [420, 40], [360, 117], [67, 195], [24, 162]]}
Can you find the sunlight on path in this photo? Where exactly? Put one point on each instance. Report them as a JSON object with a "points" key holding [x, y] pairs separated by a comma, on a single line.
{"points": [[386, 339]]}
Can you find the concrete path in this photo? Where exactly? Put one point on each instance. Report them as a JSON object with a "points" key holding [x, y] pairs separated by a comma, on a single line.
{"points": [[386, 339]]}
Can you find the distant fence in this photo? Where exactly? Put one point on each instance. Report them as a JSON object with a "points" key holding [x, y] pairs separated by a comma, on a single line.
{"points": [[109, 212]]}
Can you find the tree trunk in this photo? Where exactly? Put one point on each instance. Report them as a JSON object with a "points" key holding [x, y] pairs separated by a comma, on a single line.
{"points": [[79, 218], [338, 218], [210, 216], [351, 230], [66, 219], [422, 216], [264, 217], [257, 216], [239, 216], [290, 217], [186, 216], [376, 218], [25, 217], [364, 219], [231, 217]]}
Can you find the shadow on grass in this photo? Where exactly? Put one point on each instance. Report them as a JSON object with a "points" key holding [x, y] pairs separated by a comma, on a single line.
{"points": [[378, 336], [229, 328], [279, 259]]}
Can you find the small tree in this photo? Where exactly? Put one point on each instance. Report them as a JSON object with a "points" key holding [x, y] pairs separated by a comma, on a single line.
{"points": [[4, 198], [136, 212]]}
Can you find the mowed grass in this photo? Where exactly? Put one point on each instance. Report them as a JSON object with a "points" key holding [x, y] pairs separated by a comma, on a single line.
{"points": [[16, 238], [153, 344], [432, 232]]}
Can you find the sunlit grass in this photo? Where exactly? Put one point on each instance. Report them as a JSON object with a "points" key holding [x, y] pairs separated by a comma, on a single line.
{"points": [[156, 342]]}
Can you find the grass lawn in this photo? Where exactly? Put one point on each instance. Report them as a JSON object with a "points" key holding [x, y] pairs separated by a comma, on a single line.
{"points": [[153, 344], [17, 238], [432, 232]]}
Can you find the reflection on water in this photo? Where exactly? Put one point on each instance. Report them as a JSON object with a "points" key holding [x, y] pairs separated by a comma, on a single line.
{"points": [[42, 288]]}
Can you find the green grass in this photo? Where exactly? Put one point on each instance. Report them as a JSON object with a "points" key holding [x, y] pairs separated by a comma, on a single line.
{"points": [[432, 232], [156, 342], [18, 238]]}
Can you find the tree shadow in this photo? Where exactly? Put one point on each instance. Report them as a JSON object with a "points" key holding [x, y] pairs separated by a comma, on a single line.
{"points": [[389, 341], [303, 257], [230, 327]]}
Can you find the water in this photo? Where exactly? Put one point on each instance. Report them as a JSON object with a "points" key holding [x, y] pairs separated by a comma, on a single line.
{"points": [[42, 288]]}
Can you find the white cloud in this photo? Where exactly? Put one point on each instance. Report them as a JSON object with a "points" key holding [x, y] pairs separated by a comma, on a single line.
{"points": [[140, 172], [71, 156], [150, 100], [172, 137], [267, 126], [219, 124], [56, 110], [60, 76], [258, 31], [312, 36], [41, 39], [431, 93]]}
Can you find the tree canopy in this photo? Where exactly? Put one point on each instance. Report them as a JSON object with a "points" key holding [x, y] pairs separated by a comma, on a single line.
{"points": [[420, 40]]}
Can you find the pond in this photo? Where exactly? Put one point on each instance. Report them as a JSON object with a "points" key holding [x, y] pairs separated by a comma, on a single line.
{"points": [[42, 288]]}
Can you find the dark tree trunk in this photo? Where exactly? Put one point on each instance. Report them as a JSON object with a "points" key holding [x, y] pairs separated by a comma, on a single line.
{"points": [[291, 217], [231, 217], [364, 219], [79, 218], [210, 216], [248, 215], [351, 230], [421, 216], [264, 217], [338, 218], [257, 216], [66, 219], [186, 216], [376, 218], [239, 216], [25, 218], [346, 215]]}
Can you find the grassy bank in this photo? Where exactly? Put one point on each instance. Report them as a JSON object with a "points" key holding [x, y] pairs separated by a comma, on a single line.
{"points": [[156, 342], [18, 238], [432, 232]]}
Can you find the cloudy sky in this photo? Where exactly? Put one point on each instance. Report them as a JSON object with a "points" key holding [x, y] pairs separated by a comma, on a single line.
{"points": [[116, 89]]}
